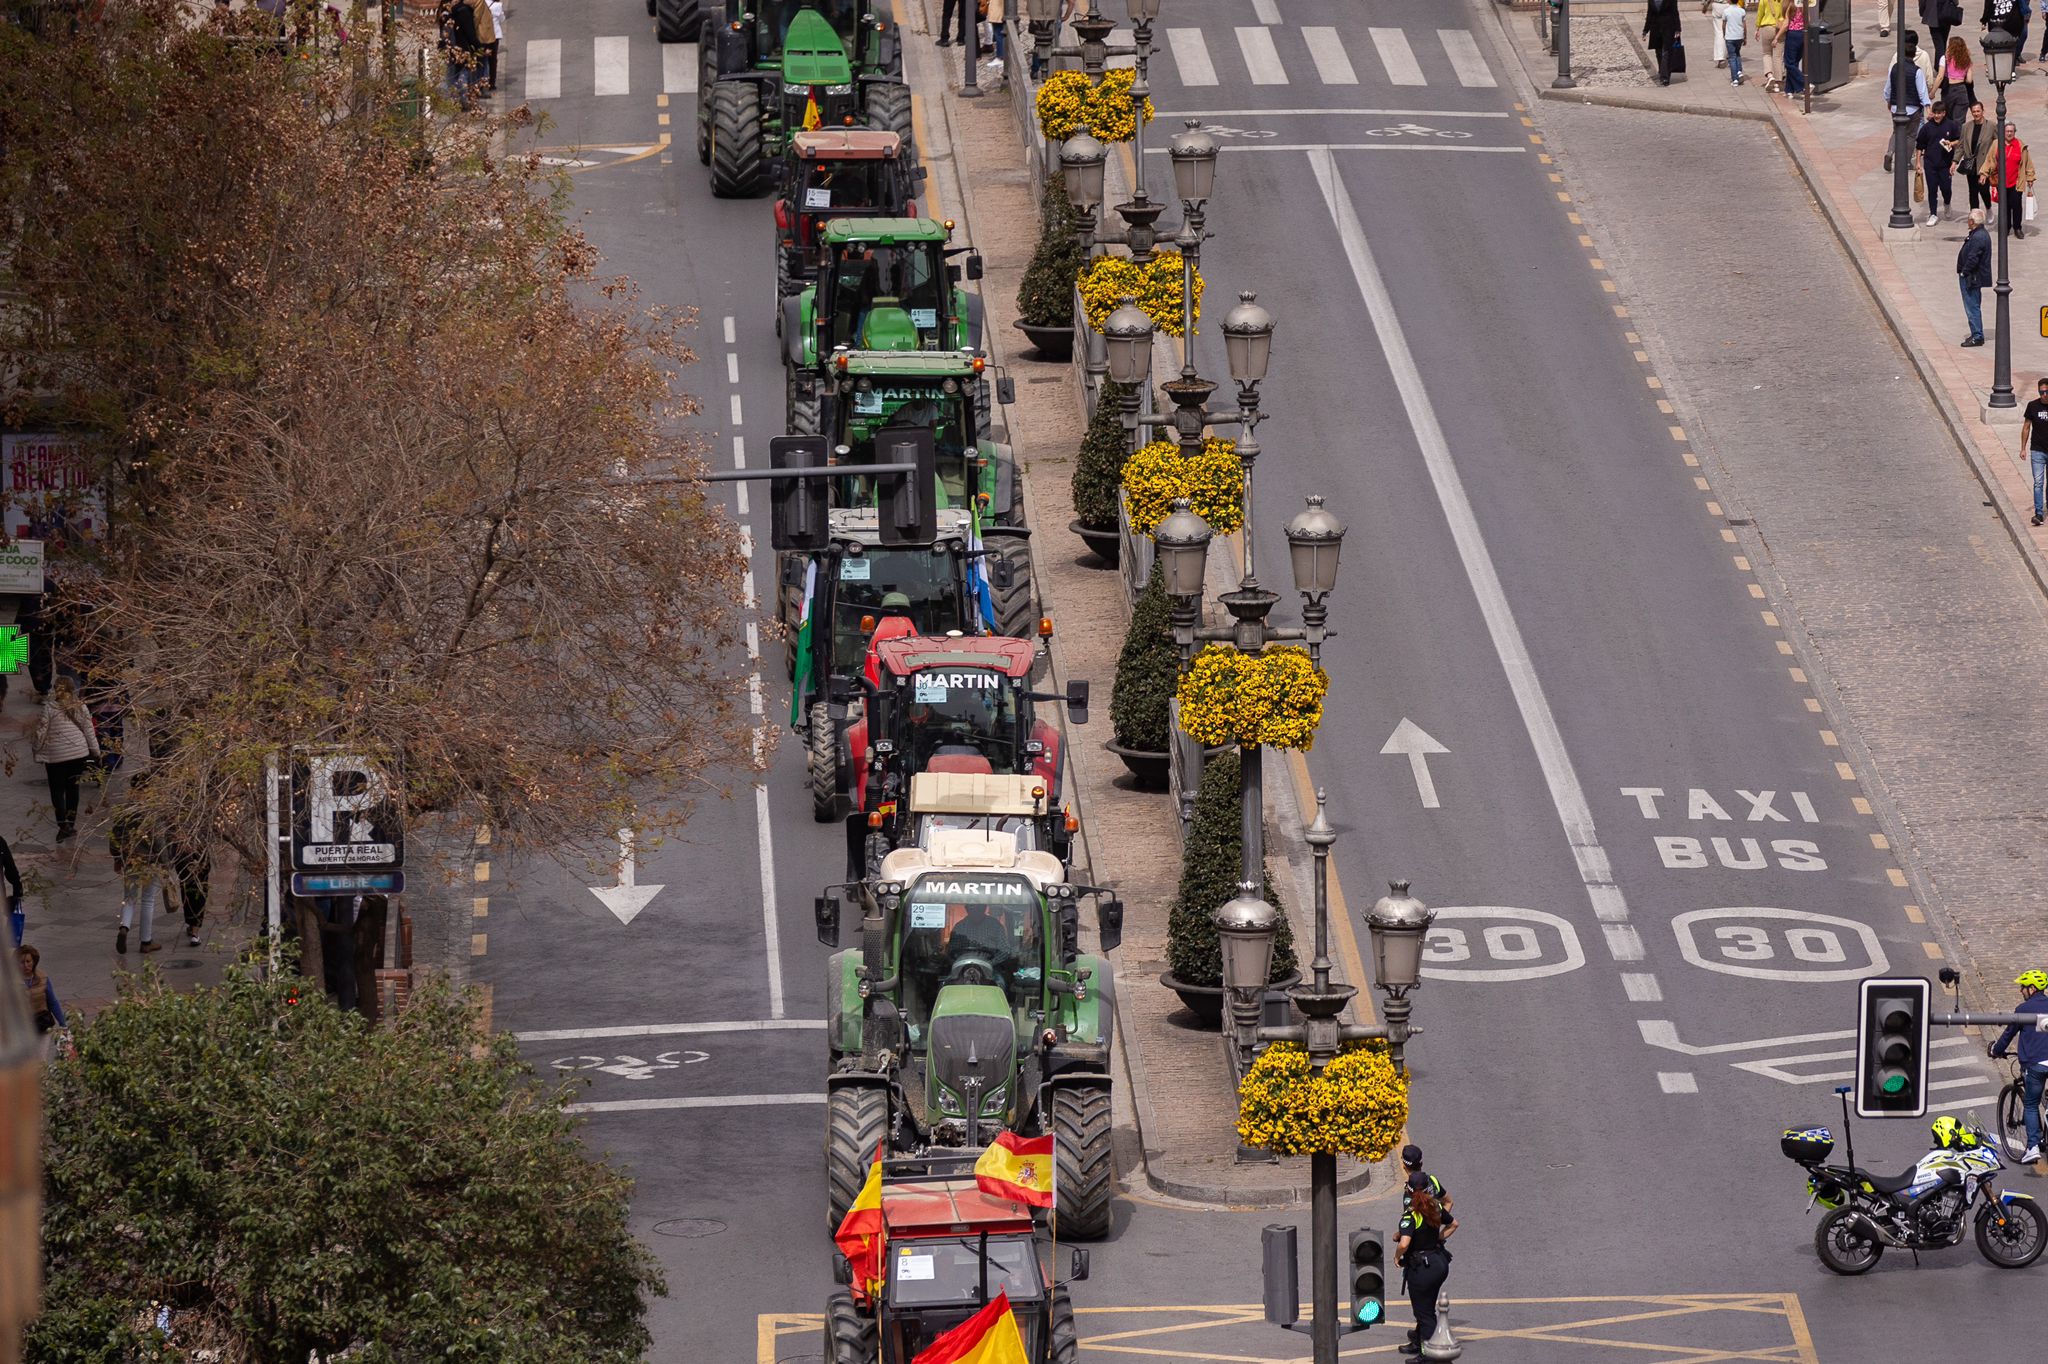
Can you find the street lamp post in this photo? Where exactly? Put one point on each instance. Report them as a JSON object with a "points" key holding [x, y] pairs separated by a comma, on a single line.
{"points": [[2000, 49], [1094, 29], [1903, 90], [1127, 336], [1564, 79]]}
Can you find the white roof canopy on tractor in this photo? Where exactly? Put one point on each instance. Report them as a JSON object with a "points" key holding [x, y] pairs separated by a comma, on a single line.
{"points": [[972, 850]]}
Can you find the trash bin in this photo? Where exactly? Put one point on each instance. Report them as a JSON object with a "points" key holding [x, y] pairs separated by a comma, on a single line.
{"points": [[1823, 72]]}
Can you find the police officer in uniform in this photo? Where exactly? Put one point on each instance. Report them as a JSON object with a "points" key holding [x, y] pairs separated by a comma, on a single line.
{"points": [[1425, 1261], [1411, 1165]]}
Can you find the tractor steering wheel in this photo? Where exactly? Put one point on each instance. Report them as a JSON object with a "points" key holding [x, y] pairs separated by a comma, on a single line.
{"points": [[973, 970]]}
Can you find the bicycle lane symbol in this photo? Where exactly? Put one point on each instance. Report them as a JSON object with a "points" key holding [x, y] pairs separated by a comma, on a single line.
{"points": [[631, 1067], [1417, 130]]}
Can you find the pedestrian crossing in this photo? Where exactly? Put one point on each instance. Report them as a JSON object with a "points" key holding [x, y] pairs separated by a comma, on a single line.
{"points": [[1264, 54]]}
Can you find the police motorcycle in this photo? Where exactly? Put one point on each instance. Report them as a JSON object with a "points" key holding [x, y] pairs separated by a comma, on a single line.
{"points": [[1925, 1208]]}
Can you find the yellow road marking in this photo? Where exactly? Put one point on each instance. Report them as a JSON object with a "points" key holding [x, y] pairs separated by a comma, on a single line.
{"points": [[1756, 591], [478, 942], [931, 187], [657, 149], [483, 871], [1933, 950], [1784, 646], [1880, 842], [1896, 877], [1714, 509], [1770, 617], [1848, 773], [1607, 286], [1620, 311], [1575, 220], [1813, 705], [1914, 916], [661, 119], [484, 1001], [1862, 805], [661, 101], [1798, 674], [1827, 736], [1642, 357], [1692, 461], [483, 835], [1742, 562], [1664, 406], [480, 906]]}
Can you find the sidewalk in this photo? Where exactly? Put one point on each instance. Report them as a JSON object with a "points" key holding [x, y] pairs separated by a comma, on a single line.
{"points": [[1839, 150]]}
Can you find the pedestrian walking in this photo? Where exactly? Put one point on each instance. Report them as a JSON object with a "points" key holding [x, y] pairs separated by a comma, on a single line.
{"points": [[2012, 184], [496, 10], [1973, 273], [42, 995], [1770, 22], [1940, 16], [1957, 87], [1938, 140], [141, 875], [1733, 22], [2034, 441], [1424, 1258], [2005, 15], [1714, 8], [965, 10], [1979, 142], [462, 48], [193, 866], [1795, 51], [486, 44], [1905, 93], [1661, 36], [64, 743]]}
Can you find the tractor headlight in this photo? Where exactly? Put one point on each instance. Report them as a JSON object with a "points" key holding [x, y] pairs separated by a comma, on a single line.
{"points": [[839, 89], [950, 386], [993, 1105], [795, 88], [949, 1103]]}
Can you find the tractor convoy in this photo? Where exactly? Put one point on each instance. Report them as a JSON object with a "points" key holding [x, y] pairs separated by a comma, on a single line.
{"points": [[966, 1007]]}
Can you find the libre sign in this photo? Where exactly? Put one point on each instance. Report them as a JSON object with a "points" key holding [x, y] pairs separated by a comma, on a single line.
{"points": [[344, 820]]}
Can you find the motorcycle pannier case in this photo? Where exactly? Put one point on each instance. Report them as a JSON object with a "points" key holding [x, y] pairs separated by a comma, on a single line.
{"points": [[1807, 1144]]}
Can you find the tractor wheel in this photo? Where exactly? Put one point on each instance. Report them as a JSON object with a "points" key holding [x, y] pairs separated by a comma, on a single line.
{"points": [[1016, 605], [785, 284], [671, 24], [849, 1335], [889, 109], [707, 81], [804, 414], [821, 764], [739, 165], [1084, 1171], [1066, 1342], [856, 1125]]}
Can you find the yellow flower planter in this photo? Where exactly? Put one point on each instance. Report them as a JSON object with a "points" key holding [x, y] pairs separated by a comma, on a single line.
{"points": [[1213, 482], [1356, 1107], [1067, 104], [1274, 698], [1156, 286]]}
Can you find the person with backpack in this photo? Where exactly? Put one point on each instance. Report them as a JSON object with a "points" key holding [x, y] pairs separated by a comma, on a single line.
{"points": [[1424, 1258]]}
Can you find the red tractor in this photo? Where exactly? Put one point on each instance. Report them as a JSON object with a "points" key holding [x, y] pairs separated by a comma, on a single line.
{"points": [[949, 704], [948, 1248], [834, 173]]}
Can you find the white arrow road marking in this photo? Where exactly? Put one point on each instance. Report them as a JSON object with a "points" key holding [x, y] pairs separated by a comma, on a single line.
{"points": [[1659, 1032], [1411, 739], [626, 899]]}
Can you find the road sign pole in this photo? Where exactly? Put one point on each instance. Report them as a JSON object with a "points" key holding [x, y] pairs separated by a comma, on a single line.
{"points": [[273, 906]]}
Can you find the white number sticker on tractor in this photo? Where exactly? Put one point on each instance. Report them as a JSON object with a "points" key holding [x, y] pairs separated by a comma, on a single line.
{"points": [[852, 570], [924, 319], [1779, 944], [910, 1266], [927, 916], [817, 198], [932, 692], [1493, 943]]}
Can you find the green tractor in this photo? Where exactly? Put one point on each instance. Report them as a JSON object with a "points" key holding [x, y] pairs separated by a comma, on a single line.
{"points": [[777, 66], [884, 284], [965, 1011]]}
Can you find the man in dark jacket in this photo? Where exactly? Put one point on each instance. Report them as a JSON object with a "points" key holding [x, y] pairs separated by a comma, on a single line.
{"points": [[1973, 272], [1660, 32], [2033, 1056], [463, 48]]}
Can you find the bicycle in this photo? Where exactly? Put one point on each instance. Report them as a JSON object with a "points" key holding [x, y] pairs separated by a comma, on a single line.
{"points": [[2012, 1111]]}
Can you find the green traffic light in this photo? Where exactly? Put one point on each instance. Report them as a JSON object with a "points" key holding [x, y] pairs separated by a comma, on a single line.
{"points": [[1370, 1311], [1892, 1084]]}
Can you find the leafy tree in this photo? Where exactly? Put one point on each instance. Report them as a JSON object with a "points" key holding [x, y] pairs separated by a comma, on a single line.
{"points": [[390, 465], [1045, 298], [247, 1171], [1210, 866], [1099, 467], [1147, 670]]}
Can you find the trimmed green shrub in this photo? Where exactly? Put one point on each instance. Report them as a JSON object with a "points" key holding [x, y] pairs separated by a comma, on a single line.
{"points": [[1046, 297], [1147, 671], [1099, 467], [1208, 877]]}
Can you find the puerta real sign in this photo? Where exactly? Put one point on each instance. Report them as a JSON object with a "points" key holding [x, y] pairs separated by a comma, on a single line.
{"points": [[347, 836]]}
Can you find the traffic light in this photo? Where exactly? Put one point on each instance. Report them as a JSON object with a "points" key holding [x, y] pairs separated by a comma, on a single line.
{"points": [[1891, 1048], [909, 501], [1368, 1279], [798, 520]]}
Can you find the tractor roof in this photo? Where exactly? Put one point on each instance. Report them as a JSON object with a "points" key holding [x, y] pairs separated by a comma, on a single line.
{"points": [[812, 53], [962, 793], [958, 850], [884, 231], [915, 653], [948, 1207], [908, 364], [846, 144]]}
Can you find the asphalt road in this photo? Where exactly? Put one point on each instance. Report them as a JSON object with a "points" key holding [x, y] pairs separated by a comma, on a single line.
{"points": [[1630, 993]]}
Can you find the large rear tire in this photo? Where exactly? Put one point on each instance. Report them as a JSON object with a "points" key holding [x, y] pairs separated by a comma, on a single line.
{"points": [[1017, 604], [805, 413], [1845, 1244], [1085, 1170], [739, 161], [1066, 1341], [849, 1334], [671, 24], [856, 1124], [821, 764], [889, 109], [2020, 1241], [707, 81]]}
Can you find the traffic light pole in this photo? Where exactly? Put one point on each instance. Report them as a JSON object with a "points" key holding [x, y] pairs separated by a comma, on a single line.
{"points": [[1324, 1328]]}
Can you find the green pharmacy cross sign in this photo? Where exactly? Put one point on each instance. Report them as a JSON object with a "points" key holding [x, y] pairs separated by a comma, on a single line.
{"points": [[13, 649]]}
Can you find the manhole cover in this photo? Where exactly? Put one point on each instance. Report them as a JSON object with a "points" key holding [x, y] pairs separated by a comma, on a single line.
{"points": [[689, 1227]]}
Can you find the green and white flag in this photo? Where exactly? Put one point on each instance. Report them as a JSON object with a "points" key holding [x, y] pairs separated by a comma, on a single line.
{"points": [[803, 643]]}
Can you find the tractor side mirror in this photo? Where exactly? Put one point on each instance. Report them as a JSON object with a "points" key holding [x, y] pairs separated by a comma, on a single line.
{"points": [[827, 910], [1006, 390], [792, 570], [974, 265], [1079, 1271], [1077, 702], [920, 173], [842, 1270], [778, 173], [1109, 923], [1001, 575]]}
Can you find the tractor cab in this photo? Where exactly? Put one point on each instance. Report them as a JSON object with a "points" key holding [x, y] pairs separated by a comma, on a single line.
{"points": [[948, 1248], [835, 172], [884, 284], [944, 392]]}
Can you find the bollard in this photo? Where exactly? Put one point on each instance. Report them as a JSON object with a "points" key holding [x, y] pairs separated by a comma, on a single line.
{"points": [[1442, 1345]]}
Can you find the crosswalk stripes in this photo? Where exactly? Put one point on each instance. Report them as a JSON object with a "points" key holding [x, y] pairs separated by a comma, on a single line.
{"points": [[1191, 56], [1261, 58], [613, 78], [679, 68], [1397, 56], [1328, 54], [543, 68], [1265, 11], [1463, 50]]}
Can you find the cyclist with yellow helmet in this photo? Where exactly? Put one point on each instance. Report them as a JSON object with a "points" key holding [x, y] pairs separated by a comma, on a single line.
{"points": [[2033, 1056]]}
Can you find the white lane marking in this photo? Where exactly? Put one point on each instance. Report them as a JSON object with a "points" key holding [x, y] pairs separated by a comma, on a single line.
{"points": [[739, 447], [1595, 871], [747, 583], [613, 74], [626, 899], [1397, 56], [679, 72], [739, 492], [1327, 51], [1662, 1032], [1266, 11], [1261, 58], [1191, 56], [754, 642], [693, 1101], [754, 684], [1321, 113], [732, 367], [1641, 987], [1677, 1082], [735, 409], [1463, 50], [771, 931], [671, 1029], [730, 332], [544, 68], [1313, 147]]}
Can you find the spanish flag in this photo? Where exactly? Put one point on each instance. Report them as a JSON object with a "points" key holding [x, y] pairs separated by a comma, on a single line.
{"points": [[859, 1237], [990, 1336], [1017, 1167], [812, 118]]}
